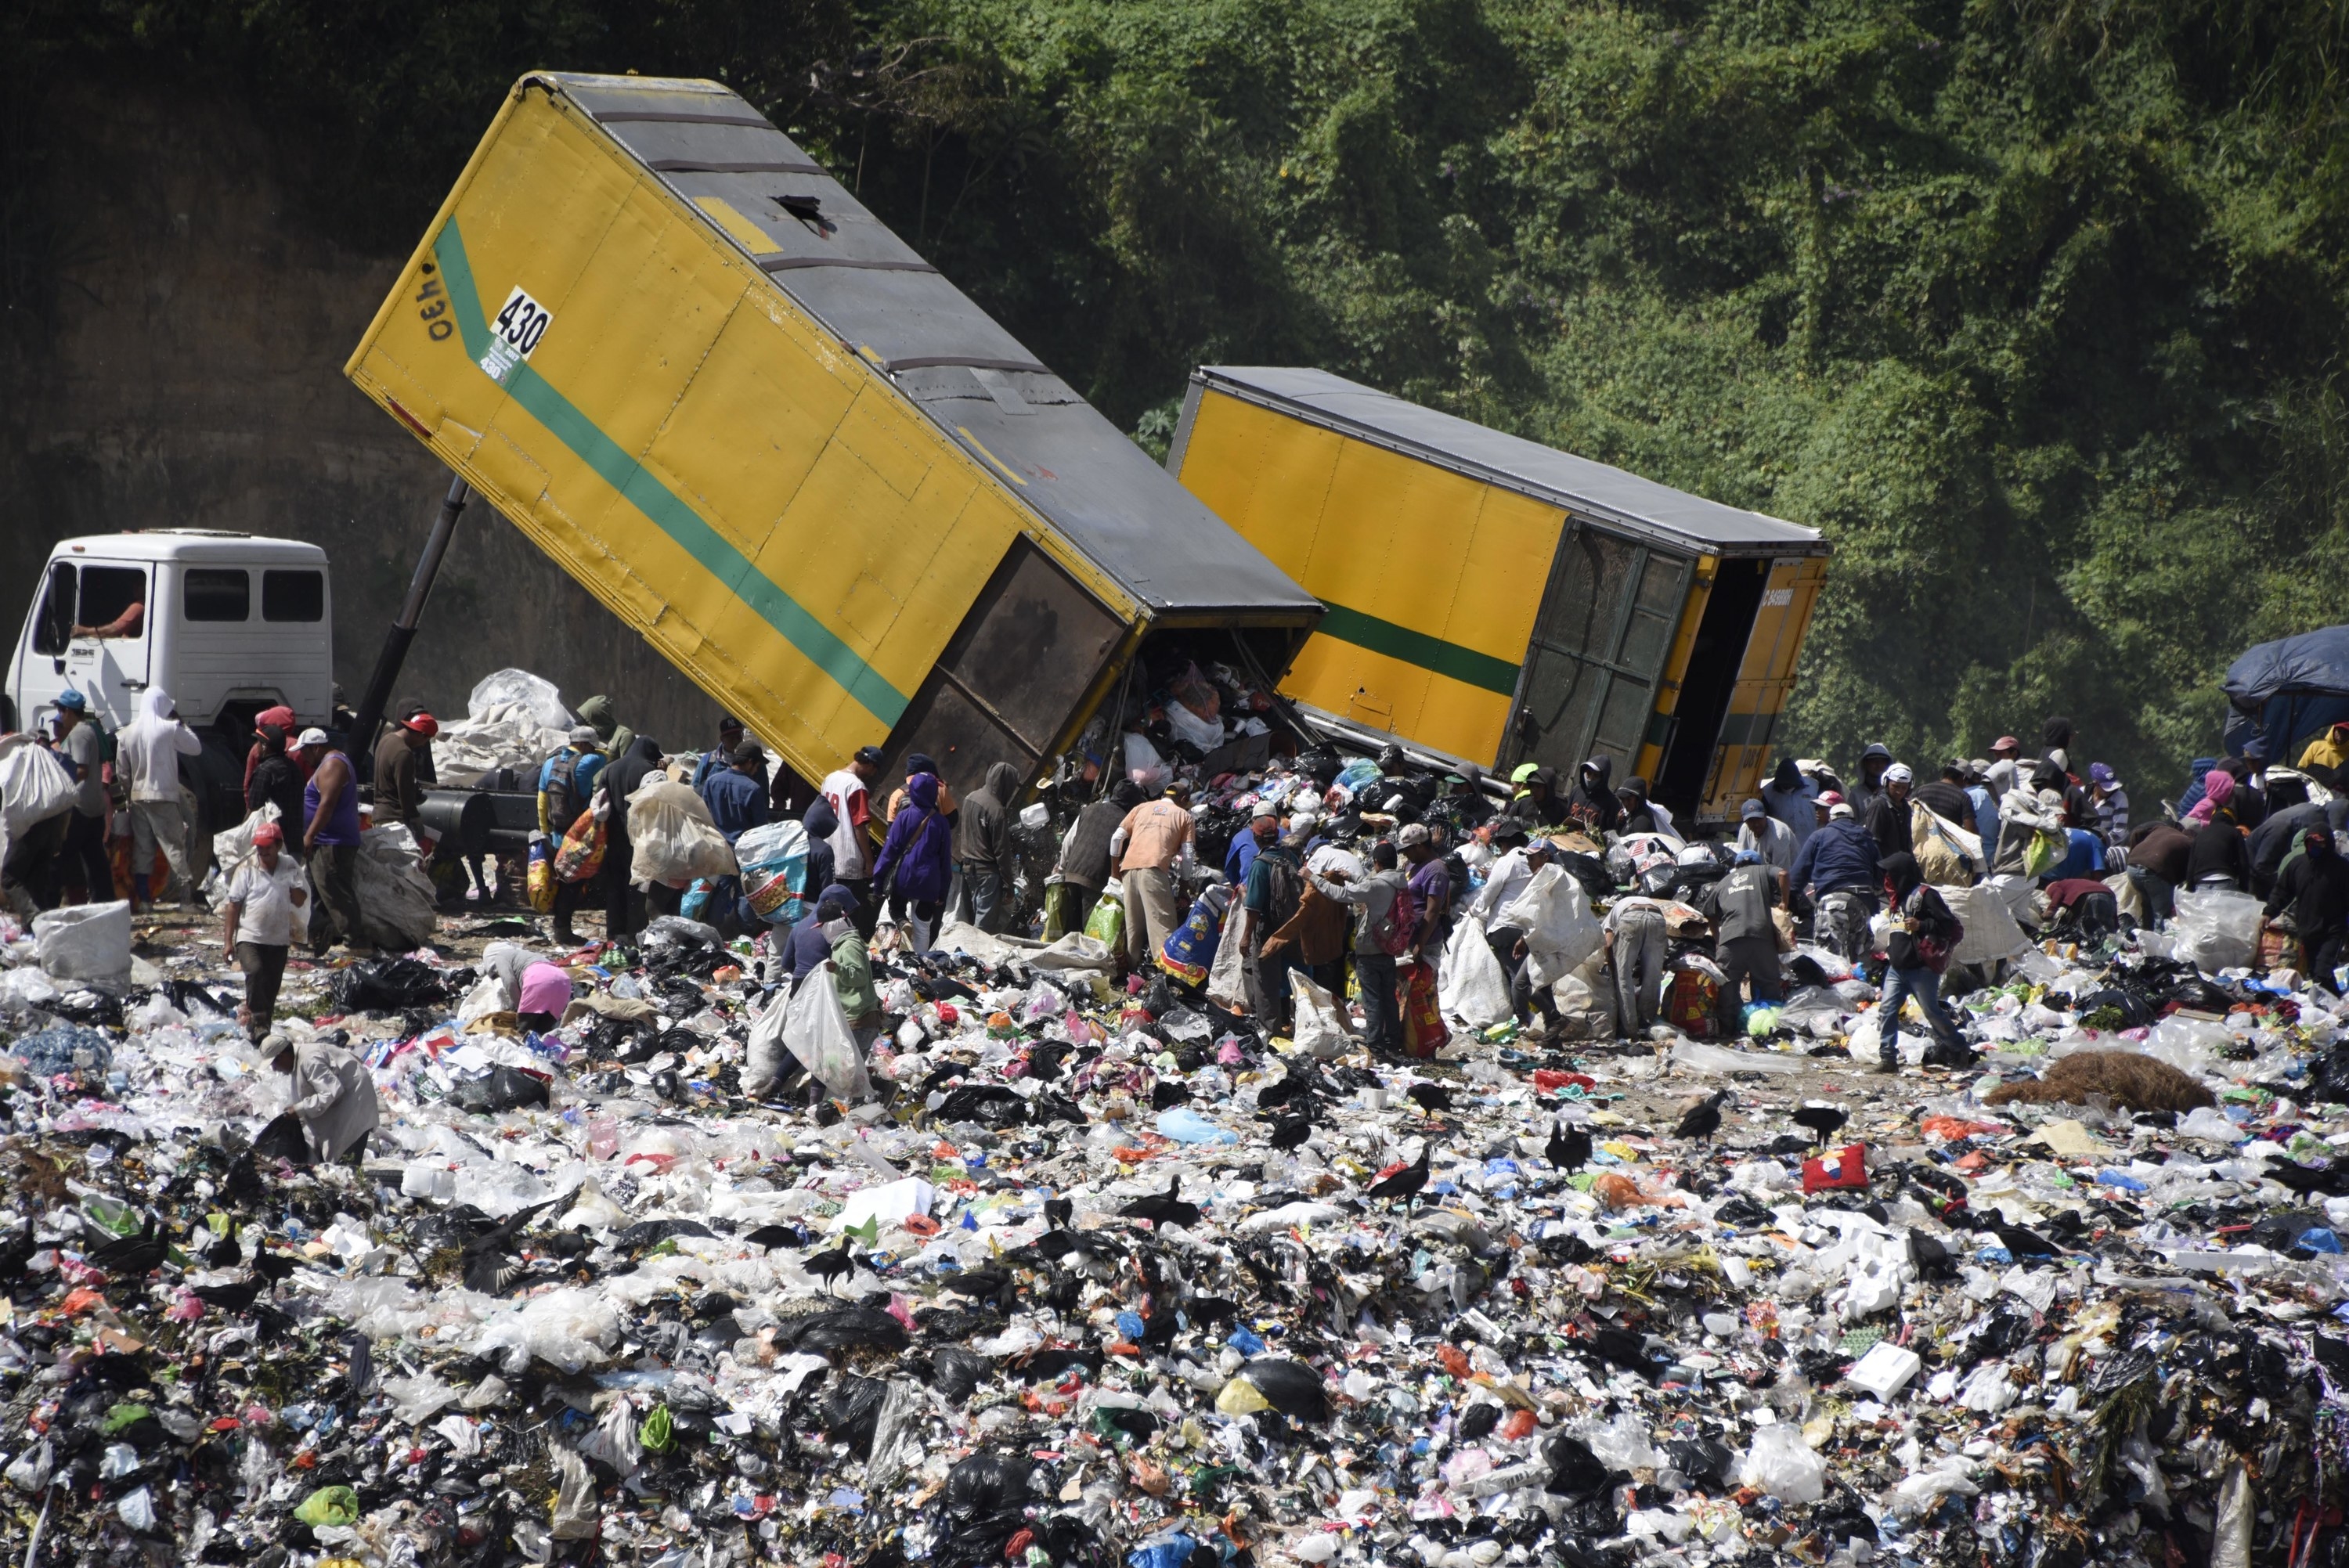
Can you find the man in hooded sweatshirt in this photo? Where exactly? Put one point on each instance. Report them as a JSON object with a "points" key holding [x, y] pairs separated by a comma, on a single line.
{"points": [[1789, 798], [1086, 857], [1593, 805], [983, 849], [622, 777], [2314, 886], [149, 750]]}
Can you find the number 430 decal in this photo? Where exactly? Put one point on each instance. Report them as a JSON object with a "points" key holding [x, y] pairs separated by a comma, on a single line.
{"points": [[515, 334]]}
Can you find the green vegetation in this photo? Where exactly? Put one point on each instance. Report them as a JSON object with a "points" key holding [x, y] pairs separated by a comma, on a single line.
{"points": [[2034, 305]]}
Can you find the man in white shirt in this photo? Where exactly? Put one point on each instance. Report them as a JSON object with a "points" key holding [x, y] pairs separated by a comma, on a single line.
{"points": [[1768, 837], [264, 914], [849, 792], [333, 1096], [149, 750]]}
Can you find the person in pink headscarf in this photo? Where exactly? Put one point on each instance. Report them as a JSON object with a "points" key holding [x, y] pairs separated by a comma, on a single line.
{"points": [[2218, 789]]}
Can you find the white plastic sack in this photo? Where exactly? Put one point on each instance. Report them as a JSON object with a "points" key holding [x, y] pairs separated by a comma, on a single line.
{"points": [[2217, 929], [1228, 976], [86, 942], [672, 837], [1469, 985], [1992, 932], [1782, 1465], [1321, 1028], [533, 696], [807, 1021], [233, 846], [1561, 931], [34, 784], [395, 896], [1699, 1057]]}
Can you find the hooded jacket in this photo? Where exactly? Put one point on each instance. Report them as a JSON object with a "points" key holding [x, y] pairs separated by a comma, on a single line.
{"points": [[1860, 791], [622, 777], [2316, 888], [150, 747], [982, 829], [919, 851], [278, 778], [821, 823], [1592, 801], [1788, 796]]}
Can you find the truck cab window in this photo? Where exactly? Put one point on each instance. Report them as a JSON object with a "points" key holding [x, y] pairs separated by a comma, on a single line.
{"points": [[113, 602], [293, 596], [54, 629], [216, 593]]}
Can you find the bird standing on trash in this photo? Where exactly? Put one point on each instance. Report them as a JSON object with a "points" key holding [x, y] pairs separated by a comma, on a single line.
{"points": [[1289, 1131], [1164, 1209], [1822, 1121], [831, 1266], [131, 1255], [1566, 1151], [1702, 1119], [1400, 1182]]}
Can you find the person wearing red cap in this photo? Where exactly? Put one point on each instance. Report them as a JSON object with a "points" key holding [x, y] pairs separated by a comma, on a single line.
{"points": [[279, 718], [401, 761], [264, 909]]}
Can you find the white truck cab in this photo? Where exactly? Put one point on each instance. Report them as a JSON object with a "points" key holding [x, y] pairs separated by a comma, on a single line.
{"points": [[229, 623]]}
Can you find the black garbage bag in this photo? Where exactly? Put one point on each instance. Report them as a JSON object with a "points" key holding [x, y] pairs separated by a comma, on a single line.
{"points": [[989, 1104], [388, 985], [956, 1374], [1574, 1470], [1290, 1388], [850, 1412], [984, 1505], [500, 1089], [844, 1328], [1705, 1460], [283, 1139], [651, 1232], [1589, 871]]}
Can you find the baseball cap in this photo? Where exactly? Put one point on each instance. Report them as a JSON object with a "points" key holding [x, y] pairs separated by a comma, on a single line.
{"points": [[1980, 765], [1840, 811], [729, 724], [869, 755], [424, 724], [1413, 833], [749, 751], [2006, 743], [1899, 774], [1752, 808], [1523, 771], [1265, 811], [2101, 772], [73, 701], [268, 833], [312, 736], [1508, 828], [584, 735]]}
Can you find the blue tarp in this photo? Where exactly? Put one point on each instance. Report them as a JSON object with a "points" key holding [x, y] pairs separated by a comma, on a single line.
{"points": [[2288, 691]]}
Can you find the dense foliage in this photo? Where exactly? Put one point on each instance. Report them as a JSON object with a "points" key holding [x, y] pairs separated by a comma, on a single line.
{"points": [[2034, 305]]}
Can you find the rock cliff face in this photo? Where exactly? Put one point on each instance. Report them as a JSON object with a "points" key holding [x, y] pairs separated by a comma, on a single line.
{"points": [[173, 355]]}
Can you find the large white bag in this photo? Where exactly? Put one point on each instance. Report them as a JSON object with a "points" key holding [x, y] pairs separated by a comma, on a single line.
{"points": [[672, 836], [1561, 931], [85, 941], [809, 1022], [2218, 929], [232, 846], [1321, 1028], [34, 785], [1469, 983], [1228, 976]]}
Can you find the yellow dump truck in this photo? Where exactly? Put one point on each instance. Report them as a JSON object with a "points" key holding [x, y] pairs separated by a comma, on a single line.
{"points": [[773, 441], [1493, 600]]}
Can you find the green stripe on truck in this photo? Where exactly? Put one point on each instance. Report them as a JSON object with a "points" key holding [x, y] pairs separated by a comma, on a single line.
{"points": [[1465, 665]]}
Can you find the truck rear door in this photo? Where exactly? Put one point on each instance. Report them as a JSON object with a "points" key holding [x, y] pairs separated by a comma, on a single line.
{"points": [[1599, 651]]}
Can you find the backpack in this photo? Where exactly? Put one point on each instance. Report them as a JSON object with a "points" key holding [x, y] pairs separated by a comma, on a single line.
{"points": [[562, 802], [1285, 889], [1398, 929]]}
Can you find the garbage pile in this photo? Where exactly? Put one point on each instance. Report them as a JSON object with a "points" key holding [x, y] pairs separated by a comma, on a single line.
{"points": [[1067, 1269]]}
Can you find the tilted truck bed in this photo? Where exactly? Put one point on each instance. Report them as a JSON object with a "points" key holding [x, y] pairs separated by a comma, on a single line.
{"points": [[776, 442]]}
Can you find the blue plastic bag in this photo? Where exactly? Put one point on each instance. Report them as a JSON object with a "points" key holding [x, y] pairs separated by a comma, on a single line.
{"points": [[1185, 1125]]}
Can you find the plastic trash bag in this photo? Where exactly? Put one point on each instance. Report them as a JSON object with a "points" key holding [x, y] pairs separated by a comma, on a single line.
{"points": [[1469, 983], [88, 941], [850, 1412], [1780, 1463], [1228, 976], [2217, 929], [1561, 931], [575, 1506], [674, 840], [986, 1503], [395, 898], [388, 985], [1106, 924], [1185, 1125], [34, 784], [501, 1088], [233, 846], [538, 883], [581, 855], [774, 860], [1320, 1023], [1698, 1057], [816, 1030]]}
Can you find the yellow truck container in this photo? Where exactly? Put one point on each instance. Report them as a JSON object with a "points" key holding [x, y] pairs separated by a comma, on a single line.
{"points": [[773, 441], [1493, 600]]}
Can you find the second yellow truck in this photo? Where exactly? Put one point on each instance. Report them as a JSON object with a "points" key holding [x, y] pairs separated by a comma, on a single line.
{"points": [[1493, 600]]}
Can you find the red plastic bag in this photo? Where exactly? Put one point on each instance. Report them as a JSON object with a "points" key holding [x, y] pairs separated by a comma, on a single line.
{"points": [[1846, 1168], [1690, 1002], [1549, 1080]]}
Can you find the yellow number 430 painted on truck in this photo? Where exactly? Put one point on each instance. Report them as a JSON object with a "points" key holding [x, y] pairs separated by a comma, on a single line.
{"points": [[772, 439]]}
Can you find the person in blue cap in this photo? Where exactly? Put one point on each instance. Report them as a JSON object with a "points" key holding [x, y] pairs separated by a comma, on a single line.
{"points": [[82, 865]]}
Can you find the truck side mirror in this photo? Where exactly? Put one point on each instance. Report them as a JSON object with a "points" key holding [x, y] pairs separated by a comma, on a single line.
{"points": [[58, 666]]}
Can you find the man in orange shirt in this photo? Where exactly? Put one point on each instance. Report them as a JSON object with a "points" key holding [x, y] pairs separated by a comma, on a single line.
{"points": [[1156, 837]]}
